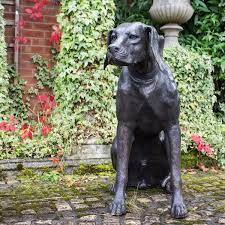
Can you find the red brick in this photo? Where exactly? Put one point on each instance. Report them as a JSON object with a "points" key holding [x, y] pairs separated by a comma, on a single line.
{"points": [[28, 25], [10, 59], [26, 3], [48, 34], [10, 55], [9, 8], [42, 26], [9, 16], [9, 39], [9, 31], [32, 33], [27, 65], [37, 32], [30, 80], [28, 42], [50, 19], [35, 49], [40, 41], [25, 57], [10, 50], [26, 72], [26, 18], [50, 11]]}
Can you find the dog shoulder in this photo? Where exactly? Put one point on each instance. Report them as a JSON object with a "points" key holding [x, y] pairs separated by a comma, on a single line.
{"points": [[124, 84], [169, 92], [171, 85]]}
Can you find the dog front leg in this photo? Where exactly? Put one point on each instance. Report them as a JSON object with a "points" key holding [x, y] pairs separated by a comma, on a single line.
{"points": [[124, 141], [178, 208]]}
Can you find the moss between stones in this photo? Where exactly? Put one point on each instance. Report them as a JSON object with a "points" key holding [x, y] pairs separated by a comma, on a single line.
{"points": [[102, 169], [35, 194], [190, 160]]}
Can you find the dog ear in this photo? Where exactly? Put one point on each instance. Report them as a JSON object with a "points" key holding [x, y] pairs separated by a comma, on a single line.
{"points": [[161, 45], [156, 45], [106, 62]]}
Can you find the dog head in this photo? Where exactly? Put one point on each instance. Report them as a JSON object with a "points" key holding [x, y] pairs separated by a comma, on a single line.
{"points": [[132, 43]]}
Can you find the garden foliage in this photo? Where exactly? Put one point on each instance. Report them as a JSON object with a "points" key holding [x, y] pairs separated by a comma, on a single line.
{"points": [[137, 10], [192, 73], [205, 33], [83, 89], [4, 76]]}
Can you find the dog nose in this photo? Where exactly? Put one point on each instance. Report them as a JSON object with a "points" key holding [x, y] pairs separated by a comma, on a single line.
{"points": [[113, 48]]}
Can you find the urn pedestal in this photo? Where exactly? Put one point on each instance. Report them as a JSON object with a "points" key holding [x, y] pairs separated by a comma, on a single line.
{"points": [[171, 14]]}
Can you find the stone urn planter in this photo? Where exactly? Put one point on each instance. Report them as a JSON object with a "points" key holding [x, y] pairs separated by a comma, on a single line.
{"points": [[171, 13]]}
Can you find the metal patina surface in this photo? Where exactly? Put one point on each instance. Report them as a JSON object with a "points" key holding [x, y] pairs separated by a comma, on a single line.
{"points": [[146, 149]]}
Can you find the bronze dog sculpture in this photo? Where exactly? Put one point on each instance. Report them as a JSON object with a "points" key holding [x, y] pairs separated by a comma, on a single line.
{"points": [[146, 149]]}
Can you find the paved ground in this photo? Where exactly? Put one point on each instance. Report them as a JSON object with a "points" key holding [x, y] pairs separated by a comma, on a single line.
{"points": [[53, 199]]}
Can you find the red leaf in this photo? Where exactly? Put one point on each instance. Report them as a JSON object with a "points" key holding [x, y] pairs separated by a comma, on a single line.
{"points": [[24, 40], [24, 127], [55, 160], [30, 134], [8, 127], [26, 132], [22, 24], [45, 130], [42, 119], [3, 125], [202, 167], [45, 2], [56, 35], [52, 98], [11, 118], [42, 98], [196, 138], [23, 135], [38, 6], [29, 11], [11, 128], [55, 28]]}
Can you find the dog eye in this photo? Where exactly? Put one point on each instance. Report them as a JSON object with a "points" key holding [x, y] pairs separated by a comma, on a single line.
{"points": [[113, 37], [133, 37]]}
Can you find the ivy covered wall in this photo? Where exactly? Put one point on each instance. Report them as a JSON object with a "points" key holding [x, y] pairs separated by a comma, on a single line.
{"points": [[4, 77], [83, 88]]}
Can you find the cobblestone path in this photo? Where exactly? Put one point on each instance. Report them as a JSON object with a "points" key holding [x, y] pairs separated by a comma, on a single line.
{"points": [[35, 202]]}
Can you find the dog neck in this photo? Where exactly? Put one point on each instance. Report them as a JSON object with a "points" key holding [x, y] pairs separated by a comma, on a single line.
{"points": [[143, 71]]}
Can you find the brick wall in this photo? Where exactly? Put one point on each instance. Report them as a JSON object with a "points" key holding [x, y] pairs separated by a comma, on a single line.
{"points": [[9, 15], [37, 32]]}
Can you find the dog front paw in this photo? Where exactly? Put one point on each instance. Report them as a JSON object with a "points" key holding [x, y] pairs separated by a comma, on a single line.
{"points": [[117, 208], [178, 210]]}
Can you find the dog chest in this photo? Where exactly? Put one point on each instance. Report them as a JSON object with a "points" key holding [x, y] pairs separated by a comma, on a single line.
{"points": [[148, 122]]}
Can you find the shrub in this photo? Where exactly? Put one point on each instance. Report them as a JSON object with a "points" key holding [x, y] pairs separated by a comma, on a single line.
{"points": [[4, 76], [205, 33], [137, 10], [192, 73], [83, 89]]}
